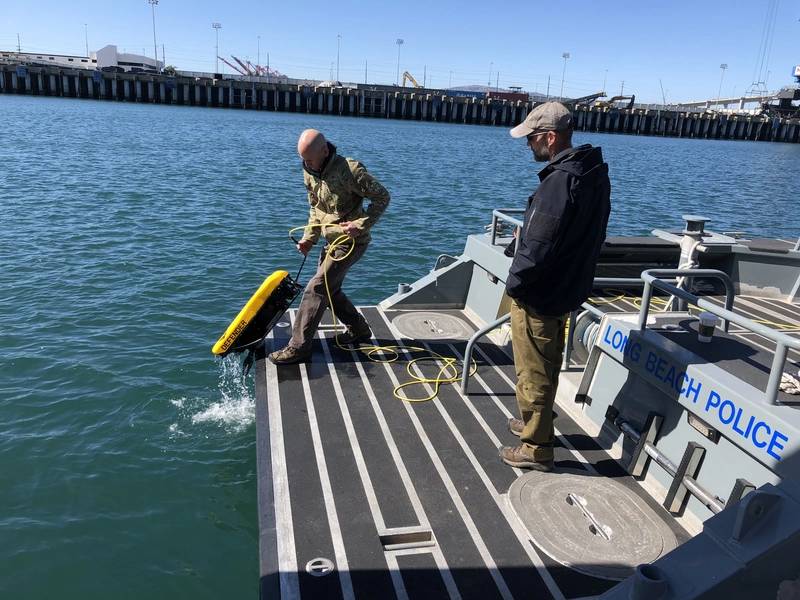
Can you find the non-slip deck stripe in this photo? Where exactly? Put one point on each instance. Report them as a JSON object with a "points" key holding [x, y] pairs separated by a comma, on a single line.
{"points": [[388, 439], [342, 566], [472, 567], [311, 528], [287, 558], [269, 584], [464, 472]]}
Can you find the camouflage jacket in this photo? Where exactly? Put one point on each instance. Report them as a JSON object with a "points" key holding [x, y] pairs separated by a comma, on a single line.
{"points": [[336, 195]]}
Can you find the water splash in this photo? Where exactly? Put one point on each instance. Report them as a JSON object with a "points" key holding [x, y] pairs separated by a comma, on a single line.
{"points": [[235, 410]]}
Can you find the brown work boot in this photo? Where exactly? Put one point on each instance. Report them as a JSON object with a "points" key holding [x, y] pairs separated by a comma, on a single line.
{"points": [[522, 458], [290, 356], [516, 426], [355, 335]]}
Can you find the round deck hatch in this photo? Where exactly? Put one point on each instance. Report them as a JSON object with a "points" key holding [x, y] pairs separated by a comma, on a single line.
{"points": [[590, 523], [422, 325]]}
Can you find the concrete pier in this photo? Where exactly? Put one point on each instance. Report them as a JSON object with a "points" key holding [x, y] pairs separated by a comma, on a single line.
{"points": [[425, 105]]}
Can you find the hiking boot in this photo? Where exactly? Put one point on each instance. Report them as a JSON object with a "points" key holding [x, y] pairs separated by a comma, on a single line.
{"points": [[355, 335], [522, 457], [516, 426], [290, 356]]}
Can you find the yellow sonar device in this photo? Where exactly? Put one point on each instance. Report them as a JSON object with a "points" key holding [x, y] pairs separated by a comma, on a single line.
{"points": [[259, 315]]}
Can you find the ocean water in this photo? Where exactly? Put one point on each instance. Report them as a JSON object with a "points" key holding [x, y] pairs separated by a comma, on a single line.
{"points": [[131, 236]]}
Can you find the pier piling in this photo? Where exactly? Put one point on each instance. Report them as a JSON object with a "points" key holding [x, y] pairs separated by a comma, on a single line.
{"points": [[412, 104]]}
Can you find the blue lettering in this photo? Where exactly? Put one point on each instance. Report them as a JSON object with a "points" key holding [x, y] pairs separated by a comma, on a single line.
{"points": [[692, 390], [679, 381], [636, 351], [760, 425], [736, 423], [650, 364], [670, 377], [777, 437], [605, 336], [713, 400], [727, 403], [749, 426], [617, 340], [660, 368]]}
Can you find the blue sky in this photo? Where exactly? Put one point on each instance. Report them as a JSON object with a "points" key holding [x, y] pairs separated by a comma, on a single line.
{"points": [[679, 42]]}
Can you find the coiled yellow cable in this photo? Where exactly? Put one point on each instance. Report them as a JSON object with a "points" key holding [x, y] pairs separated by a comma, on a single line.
{"points": [[449, 369]]}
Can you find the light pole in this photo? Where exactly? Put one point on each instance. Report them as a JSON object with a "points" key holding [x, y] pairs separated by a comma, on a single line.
{"points": [[491, 64], [605, 78], [258, 56], [399, 43], [152, 4], [565, 56], [217, 27], [86, 37], [338, 44], [722, 67]]}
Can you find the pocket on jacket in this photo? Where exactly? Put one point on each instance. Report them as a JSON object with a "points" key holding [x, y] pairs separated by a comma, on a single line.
{"points": [[543, 227]]}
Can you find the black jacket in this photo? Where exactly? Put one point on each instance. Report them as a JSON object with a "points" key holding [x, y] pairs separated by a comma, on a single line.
{"points": [[564, 228]]}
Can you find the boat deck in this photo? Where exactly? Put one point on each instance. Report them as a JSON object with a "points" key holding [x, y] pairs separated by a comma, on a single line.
{"points": [[406, 500]]}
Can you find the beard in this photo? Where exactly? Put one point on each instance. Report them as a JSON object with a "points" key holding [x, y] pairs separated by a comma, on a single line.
{"points": [[541, 154]]}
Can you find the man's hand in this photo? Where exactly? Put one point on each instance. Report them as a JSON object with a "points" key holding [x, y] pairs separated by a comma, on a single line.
{"points": [[304, 246], [350, 228]]}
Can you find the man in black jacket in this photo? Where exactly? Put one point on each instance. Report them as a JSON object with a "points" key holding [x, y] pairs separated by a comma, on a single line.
{"points": [[552, 271]]}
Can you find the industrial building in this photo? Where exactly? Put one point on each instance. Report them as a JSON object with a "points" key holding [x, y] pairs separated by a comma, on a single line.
{"points": [[106, 58]]}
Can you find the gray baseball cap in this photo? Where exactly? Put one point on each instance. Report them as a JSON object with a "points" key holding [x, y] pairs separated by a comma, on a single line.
{"points": [[550, 116]]}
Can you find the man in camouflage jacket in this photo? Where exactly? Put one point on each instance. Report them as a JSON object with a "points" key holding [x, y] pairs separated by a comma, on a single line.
{"points": [[336, 189]]}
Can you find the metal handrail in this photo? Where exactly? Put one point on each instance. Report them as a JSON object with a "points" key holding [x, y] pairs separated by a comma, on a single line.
{"points": [[504, 214], [597, 283], [782, 341], [651, 276], [471, 343]]}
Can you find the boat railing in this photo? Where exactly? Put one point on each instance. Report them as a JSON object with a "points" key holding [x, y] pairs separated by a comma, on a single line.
{"points": [[783, 342], [599, 283], [503, 215]]}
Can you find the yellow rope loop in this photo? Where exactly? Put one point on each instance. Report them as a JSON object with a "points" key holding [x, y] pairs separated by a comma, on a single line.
{"points": [[620, 295], [449, 371]]}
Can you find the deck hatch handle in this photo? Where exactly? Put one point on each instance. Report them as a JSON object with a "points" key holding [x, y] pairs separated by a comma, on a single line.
{"points": [[595, 526], [404, 538], [319, 567]]}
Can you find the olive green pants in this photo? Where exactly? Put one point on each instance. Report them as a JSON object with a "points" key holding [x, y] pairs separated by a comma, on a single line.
{"points": [[315, 296], [538, 343]]}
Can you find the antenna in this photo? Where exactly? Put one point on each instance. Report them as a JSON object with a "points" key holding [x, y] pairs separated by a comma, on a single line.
{"points": [[663, 96]]}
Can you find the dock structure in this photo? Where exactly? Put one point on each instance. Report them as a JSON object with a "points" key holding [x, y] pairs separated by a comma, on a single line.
{"points": [[404, 104]]}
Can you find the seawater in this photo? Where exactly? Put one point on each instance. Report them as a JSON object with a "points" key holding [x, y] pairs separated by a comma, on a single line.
{"points": [[131, 236]]}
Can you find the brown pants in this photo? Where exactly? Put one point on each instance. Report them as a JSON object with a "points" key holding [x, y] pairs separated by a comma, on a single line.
{"points": [[538, 343], [315, 297]]}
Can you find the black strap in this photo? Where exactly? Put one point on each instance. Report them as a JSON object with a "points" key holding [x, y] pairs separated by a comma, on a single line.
{"points": [[249, 359]]}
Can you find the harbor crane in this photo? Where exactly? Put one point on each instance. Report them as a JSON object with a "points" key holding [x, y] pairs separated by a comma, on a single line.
{"points": [[408, 76]]}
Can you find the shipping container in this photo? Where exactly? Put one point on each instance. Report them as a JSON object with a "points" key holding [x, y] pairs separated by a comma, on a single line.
{"points": [[465, 94], [512, 96]]}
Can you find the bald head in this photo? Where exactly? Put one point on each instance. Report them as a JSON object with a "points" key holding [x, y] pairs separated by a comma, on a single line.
{"points": [[313, 148]]}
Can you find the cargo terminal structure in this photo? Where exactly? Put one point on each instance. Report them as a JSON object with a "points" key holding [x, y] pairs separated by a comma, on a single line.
{"points": [[134, 78], [106, 58]]}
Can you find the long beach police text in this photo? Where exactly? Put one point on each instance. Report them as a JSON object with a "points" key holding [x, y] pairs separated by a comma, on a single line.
{"points": [[730, 416]]}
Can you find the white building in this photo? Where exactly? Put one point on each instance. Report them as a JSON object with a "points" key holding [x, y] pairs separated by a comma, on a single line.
{"points": [[109, 57], [106, 57], [59, 60]]}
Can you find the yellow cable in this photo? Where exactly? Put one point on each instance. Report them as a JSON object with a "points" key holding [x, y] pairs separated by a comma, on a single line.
{"points": [[449, 371]]}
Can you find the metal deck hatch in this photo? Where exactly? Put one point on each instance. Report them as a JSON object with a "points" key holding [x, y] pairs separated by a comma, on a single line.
{"points": [[589, 523], [425, 325]]}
